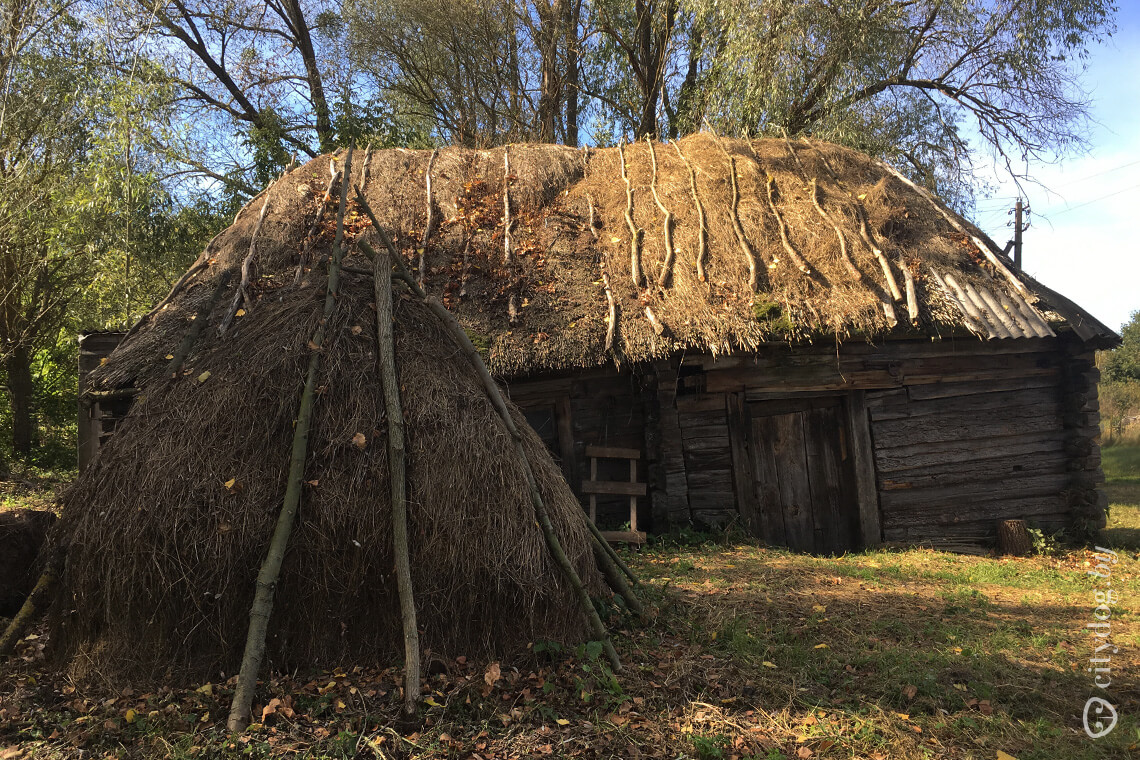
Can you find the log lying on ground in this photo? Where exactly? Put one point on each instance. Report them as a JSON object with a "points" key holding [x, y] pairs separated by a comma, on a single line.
{"points": [[33, 605]]}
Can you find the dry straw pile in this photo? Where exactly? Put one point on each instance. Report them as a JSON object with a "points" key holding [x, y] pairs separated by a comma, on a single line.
{"points": [[550, 257]]}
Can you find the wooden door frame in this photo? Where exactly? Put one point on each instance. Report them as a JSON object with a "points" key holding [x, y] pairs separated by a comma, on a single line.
{"points": [[863, 464]]}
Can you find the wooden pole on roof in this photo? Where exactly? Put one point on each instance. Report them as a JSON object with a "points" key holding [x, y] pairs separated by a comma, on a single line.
{"points": [[266, 587], [459, 335]]}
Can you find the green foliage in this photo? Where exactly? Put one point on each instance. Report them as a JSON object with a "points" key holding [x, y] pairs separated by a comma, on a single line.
{"points": [[908, 81], [1122, 364]]}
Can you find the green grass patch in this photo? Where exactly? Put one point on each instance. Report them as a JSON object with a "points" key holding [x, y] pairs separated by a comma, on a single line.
{"points": [[1121, 463]]}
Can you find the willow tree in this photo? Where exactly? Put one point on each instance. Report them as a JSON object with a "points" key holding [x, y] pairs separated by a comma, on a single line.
{"points": [[919, 82]]}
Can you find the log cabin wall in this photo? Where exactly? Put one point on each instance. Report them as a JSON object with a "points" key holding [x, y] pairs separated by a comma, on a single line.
{"points": [[931, 442], [946, 437]]}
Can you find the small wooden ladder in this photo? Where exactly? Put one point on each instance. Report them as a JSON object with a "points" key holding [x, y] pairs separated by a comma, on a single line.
{"points": [[632, 489]]}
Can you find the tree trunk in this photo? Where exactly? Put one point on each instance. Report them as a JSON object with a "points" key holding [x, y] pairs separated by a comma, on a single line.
{"points": [[570, 89], [1013, 538], [325, 136], [549, 34], [20, 388]]}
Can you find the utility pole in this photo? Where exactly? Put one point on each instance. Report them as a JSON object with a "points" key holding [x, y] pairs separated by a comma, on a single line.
{"points": [[1020, 223]]}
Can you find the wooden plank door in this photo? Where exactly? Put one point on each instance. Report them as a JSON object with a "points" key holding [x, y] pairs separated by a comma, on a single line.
{"points": [[803, 475]]}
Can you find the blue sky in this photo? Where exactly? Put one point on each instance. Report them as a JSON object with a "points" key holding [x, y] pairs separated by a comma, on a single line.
{"points": [[1085, 234]]}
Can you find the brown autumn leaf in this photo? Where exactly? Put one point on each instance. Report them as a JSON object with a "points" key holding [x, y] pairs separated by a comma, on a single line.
{"points": [[985, 707], [804, 752], [910, 691], [359, 441], [270, 708], [493, 674]]}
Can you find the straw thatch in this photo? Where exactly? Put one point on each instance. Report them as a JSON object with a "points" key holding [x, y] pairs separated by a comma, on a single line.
{"points": [[166, 530]]}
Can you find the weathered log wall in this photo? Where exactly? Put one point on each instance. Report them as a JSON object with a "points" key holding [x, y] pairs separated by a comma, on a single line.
{"points": [[947, 437], [594, 408]]}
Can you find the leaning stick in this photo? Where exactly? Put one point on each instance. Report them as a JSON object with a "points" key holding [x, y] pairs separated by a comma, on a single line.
{"points": [[654, 322], [888, 307], [33, 605], [389, 382], [613, 555], [262, 606], [496, 397], [666, 275], [429, 225], [242, 293], [611, 328], [311, 237], [367, 169], [196, 327], [967, 318], [702, 230], [635, 234], [174, 290], [785, 239], [615, 579], [911, 294], [978, 242]]}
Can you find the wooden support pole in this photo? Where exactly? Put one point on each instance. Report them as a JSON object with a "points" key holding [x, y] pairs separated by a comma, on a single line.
{"points": [[666, 275], [266, 587], [459, 335], [635, 234], [242, 293], [429, 225], [702, 229], [389, 383]]}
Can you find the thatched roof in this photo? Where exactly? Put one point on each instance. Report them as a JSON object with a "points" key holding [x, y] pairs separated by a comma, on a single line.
{"points": [[740, 243], [804, 285]]}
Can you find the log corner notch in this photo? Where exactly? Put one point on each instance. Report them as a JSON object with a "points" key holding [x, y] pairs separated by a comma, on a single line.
{"points": [[1088, 501]]}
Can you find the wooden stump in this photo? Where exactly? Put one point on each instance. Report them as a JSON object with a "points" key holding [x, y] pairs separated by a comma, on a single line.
{"points": [[1013, 538]]}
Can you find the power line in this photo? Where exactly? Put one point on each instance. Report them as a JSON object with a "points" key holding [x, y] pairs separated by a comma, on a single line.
{"points": [[1094, 200]]}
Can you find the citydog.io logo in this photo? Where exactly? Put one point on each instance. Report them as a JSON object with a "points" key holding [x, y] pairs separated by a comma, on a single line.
{"points": [[1100, 716]]}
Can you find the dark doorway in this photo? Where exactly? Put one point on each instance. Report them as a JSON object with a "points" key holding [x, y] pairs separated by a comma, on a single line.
{"points": [[803, 475]]}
